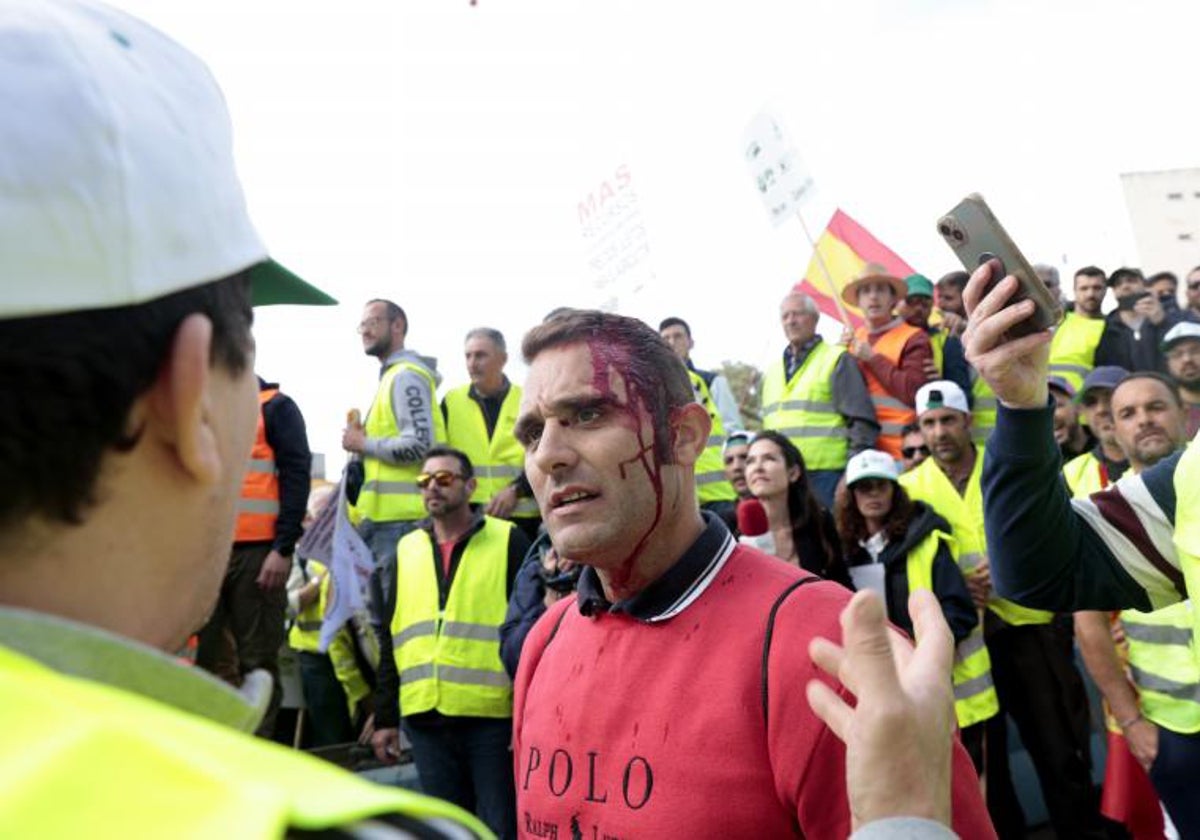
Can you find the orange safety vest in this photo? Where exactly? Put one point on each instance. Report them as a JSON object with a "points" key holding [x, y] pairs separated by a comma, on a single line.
{"points": [[258, 507], [893, 414]]}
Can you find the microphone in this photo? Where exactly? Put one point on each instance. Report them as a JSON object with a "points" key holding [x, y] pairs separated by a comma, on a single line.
{"points": [[752, 523]]}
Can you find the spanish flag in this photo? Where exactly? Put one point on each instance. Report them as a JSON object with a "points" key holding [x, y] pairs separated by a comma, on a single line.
{"points": [[845, 247]]}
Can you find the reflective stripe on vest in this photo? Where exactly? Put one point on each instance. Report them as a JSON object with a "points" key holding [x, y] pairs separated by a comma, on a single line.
{"points": [[974, 693], [802, 408], [929, 484], [1073, 347], [893, 414], [449, 659], [983, 411], [1164, 666], [258, 505], [498, 460], [176, 775], [711, 484], [389, 492]]}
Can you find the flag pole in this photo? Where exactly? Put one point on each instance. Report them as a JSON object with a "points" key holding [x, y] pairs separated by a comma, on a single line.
{"points": [[837, 298]]}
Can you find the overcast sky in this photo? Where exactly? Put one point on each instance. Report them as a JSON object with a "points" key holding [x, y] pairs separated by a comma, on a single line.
{"points": [[436, 152]]}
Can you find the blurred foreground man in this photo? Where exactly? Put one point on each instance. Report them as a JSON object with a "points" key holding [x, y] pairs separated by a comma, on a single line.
{"points": [[129, 403], [653, 702]]}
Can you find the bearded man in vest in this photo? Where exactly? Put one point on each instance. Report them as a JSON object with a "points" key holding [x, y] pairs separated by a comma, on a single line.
{"points": [[390, 444], [665, 697], [815, 394], [893, 355], [1152, 690], [445, 679], [1073, 348], [479, 421], [1036, 681], [128, 411], [949, 361], [252, 605]]}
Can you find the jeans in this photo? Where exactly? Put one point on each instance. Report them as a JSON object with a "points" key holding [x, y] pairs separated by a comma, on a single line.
{"points": [[1173, 774], [468, 761], [325, 700], [823, 484]]}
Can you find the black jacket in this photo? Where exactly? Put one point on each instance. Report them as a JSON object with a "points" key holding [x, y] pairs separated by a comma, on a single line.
{"points": [[948, 583], [1140, 351]]}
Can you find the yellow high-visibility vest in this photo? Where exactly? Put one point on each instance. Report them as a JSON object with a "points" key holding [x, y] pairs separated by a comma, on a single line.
{"points": [[1085, 475], [389, 491], [965, 514], [1163, 663], [449, 658], [975, 697], [305, 636], [983, 411], [497, 461], [802, 408], [166, 773], [1073, 347], [1187, 519], [711, 484]]}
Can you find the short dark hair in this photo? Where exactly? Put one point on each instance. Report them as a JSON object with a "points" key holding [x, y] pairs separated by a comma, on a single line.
{"points": [[955, 279], [675, 322], [394, 311], [491, 334], [1163, 275], [69, 380], [656, 375], [1166, 381], [442, 451], [913, 428], [1092, 271], [1124, 272]]}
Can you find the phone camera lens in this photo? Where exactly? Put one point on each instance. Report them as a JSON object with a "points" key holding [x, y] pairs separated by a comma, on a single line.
{"points": [[958, 234], [944, 229]]}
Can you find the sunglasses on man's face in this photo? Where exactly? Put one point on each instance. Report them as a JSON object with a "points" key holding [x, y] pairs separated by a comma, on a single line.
{"points": [[913, 451], [444, 478]]}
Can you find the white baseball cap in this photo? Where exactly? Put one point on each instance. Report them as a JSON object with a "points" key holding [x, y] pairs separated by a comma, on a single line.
{"points": [[941, 393], [871, 463], [1182, 331], [117, 181]]}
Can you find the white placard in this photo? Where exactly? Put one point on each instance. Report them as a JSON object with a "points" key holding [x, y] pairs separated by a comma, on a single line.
{"points": [[782, 180]]}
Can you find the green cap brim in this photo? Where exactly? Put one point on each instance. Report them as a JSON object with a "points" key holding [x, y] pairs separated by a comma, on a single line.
{"points": [[271, 284]]}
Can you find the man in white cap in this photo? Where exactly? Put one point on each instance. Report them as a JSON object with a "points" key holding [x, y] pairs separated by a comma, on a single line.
{"points": [[1181, 346], [1037, 684], [128, 412]]}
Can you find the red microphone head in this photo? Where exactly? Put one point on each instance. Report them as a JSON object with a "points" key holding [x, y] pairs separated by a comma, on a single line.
{"points": [[752, 518]]}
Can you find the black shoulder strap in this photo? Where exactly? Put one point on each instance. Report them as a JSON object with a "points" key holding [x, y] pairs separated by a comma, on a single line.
{"points": [[771, 632]]}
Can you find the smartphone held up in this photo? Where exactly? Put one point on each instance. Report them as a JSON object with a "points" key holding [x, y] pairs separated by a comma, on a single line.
{"points": [[976, 236]]}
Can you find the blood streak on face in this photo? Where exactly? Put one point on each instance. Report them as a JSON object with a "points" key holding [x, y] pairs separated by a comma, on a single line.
{"points": [[626, 391]]}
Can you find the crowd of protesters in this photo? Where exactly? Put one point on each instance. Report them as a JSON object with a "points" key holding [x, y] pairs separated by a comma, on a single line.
{"points": [[866, 471]]}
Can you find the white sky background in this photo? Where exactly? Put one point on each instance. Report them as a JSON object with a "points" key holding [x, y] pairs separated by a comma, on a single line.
{"points": [[435, 153]]}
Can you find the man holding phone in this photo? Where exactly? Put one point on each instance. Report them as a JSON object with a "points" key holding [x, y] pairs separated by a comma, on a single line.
{"points": [[1133, 332]]}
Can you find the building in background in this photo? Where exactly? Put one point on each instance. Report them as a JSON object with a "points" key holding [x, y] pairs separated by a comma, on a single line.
{"points": [[1164, 209]]}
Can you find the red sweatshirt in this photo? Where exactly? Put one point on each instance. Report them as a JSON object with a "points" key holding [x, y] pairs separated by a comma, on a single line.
{"points": [[632, 725]]}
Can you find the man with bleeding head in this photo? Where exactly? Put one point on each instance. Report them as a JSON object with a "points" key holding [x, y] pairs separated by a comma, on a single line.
{"points": [[622, 686]]}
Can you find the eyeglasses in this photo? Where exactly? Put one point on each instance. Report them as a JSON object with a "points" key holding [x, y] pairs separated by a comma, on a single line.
{"points": [[367, 323], [444, 478], [913, 451]]}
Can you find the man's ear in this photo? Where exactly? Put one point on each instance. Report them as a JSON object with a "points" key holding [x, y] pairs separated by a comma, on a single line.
{"points": [[690, 425], [179, 411], [471, 484]]}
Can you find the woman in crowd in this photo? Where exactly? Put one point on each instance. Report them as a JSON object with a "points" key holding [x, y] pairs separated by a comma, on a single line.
{"points": [[891, 542], [803, 531]]}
